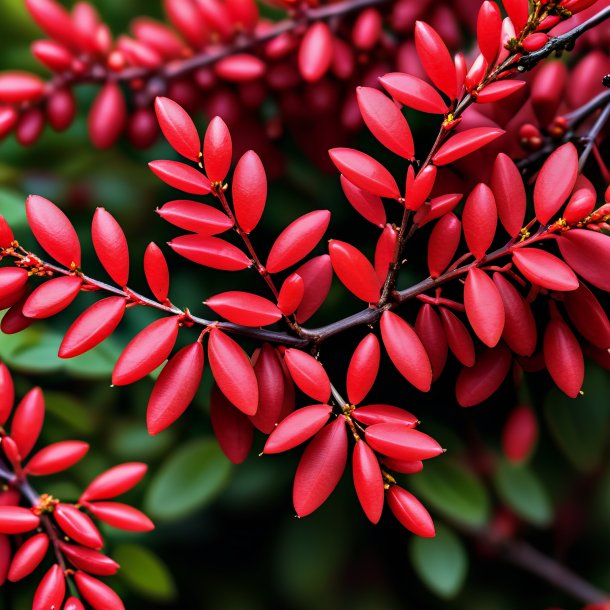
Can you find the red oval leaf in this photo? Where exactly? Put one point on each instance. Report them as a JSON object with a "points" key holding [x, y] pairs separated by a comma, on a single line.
{"points": [[175, 388], [406, 351], [53, 231], [458, 338], [217, 150], [291, 294], [110, 246], [410, 512], [384, 252], [249, 190], [368, 481], [93, 326], [271, 390], [308, 374], [587, 315], [317, 275], [107, 116], [544, 269], [354, 271], [114, 481], [233, 372], [588, 253], [464, 143], [368, 206], [509, 194], [384, 414], [156, 271], [401, 442], [195, 216], [315, 52], [365, 172], [297, 240], [563, 357], [385, 121], [519, 434], [146, 351], [121, 516], [320, 468], [413, 92], [181, 176], [489, 30], [7, 394], [210, 252], [178, 127], [480, 219], [56, 457], [479, 382], [429, 329], [52, 297], [443, 243], [484, 306], [244, 308], [298, 427], [555, 181], [96, 593], [27, 421], [435, 58], [363, 369]]}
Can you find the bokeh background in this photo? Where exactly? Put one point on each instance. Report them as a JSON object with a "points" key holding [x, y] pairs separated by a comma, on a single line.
{"points": [[226, 536]]}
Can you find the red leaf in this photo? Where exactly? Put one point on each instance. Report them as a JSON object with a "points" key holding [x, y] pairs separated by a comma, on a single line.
{"points": [[384, 252], [316, 52], [384, 414], [581, 204], [439, 206], [403, 467], [12, 281], [555, 181], [54, 20], [156, 271], [354, 271], [320, 468], [96, 593], [51, 591], [233, 372], [413, 92], [178, 127], [401, 442], [196, 217], [72, 603], [480, 219], [87, 559], [17, 520], [52, 297], [108, 116], [443, 243], [121, 516], [7, 394], [363, 369], [114, 481], [509, 194], [406, 351], [489, 30], [479, 382], [430, 331], [249, 191], [232, 428], [410, 512], [19, 87], [484, 306], [458, 338], [365, 172], [520, 326], [587, 315], [308, 374], [544, 269], [298, 427], [53, 231], [435, 58], [368, 206], [240, 68], [181, 176], [27, 421], [270, 379], [210, 252], [563, 357], [92, 326], [217, 150], [499, 90], [28, 557], [420, 188], [297, 240], [317, 275], [588, 253], [187, 20], [291, 294], [175, 388], [146, 351], [368, 481], [244, 308], [385, 121], [77, 526], [110, 246], [518, 11], [519, 434], [56, 457], [464, 143], [6, 234]]}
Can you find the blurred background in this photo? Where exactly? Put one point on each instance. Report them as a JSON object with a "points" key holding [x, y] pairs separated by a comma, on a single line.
{"points": [[226, 536]]}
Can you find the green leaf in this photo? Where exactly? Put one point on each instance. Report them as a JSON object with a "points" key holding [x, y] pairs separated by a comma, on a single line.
{"points": [[191, 478], [523, 492], [97, 363], [12, 207], [452, 490], [70, 411], [38, 356], [580, 425], [440, 562], [145, 572]]}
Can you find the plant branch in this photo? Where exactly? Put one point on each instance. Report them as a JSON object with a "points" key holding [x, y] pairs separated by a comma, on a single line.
{"points": [[591, 137], [563, 42]]}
